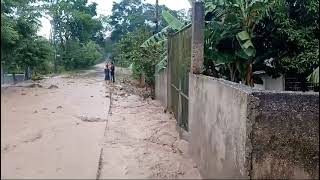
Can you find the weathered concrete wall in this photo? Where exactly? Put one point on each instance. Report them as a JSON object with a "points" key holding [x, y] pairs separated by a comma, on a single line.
{"points": [[238, 132], [286, 136], [161, 87], [218, 127]]}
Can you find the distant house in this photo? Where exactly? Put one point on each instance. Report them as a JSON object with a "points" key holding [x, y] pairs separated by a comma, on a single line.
{"points": [[270, 83]]}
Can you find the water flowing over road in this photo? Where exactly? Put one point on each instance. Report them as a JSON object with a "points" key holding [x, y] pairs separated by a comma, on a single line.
{"points": [[76, 126]]}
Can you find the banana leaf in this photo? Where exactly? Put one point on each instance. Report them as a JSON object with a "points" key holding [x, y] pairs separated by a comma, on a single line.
{"points": [[314, 76], [245, 42], [162, 64], [172, 21], [160, 36]]}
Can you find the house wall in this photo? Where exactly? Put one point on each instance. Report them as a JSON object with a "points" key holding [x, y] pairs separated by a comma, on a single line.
{"points": [[274, 84]]}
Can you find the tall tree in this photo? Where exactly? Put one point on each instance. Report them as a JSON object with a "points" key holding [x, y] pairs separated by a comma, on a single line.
{"points": [[130, 15], [75, 25]]}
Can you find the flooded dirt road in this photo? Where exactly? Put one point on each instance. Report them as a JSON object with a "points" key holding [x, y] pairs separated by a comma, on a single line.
{"points": [[66, 129]]}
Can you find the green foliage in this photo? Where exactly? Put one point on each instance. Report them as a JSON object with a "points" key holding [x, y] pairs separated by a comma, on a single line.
{"points": [[228, 21], [172, 21], [300, 26], [280, 37], [142, 60], [131, 15], [78, 33], [33, 53], [21, 48], [79, 56], [160, 38]]}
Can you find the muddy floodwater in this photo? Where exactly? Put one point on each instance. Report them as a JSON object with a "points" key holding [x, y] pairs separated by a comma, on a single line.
{"points": [[76, 126]]}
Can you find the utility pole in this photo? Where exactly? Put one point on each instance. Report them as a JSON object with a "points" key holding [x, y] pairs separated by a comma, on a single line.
{"points": [[157, 17], [53, 41]]}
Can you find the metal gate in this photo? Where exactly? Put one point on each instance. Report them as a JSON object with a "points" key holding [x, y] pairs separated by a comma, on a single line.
{"points": [[179, 58]]}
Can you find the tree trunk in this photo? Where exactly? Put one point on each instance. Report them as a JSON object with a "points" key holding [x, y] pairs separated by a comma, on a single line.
{"points": [[250, 76], [233, 72]]}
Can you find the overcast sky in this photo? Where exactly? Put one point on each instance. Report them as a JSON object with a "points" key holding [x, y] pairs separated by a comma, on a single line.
{"points": [[104, 7]]}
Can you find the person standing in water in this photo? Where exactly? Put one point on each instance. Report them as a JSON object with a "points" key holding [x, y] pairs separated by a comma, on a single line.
{"points": [[107, 73], [112, 72]]}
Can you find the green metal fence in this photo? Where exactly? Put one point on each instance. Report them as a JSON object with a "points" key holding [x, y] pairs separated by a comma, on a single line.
{"points": [[179, 58]]}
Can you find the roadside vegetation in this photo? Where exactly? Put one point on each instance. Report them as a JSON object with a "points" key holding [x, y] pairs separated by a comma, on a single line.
{"points": [[77, 38], [241, 37]]}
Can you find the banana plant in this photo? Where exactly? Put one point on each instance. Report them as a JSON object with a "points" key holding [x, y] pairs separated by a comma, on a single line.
{"points": [[173, 24], [243, 15], [160, 38]]}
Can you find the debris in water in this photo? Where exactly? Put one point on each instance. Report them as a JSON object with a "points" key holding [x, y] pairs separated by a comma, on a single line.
{"points": [[87, 119], [59, 107], [33, 138], [35, 85], [53, 87]]}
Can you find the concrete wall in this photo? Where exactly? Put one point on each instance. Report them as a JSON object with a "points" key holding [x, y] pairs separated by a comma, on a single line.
{"points": [[286, 135], [218, 127], [161, 87], [238, 132]]}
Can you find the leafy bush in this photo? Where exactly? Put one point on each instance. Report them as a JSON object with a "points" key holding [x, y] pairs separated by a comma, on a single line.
{"points": [[142, 60], [79, 56]]}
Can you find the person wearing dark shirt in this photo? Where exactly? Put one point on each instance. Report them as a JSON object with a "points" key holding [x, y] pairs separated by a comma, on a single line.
{"points": [[112, 72]]}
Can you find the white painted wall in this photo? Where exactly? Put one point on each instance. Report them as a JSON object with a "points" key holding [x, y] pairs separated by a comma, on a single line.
{"points": [[270, 83]]}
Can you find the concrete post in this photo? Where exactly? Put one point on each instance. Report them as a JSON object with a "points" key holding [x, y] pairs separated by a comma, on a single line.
{"points": [[197, 44]]}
